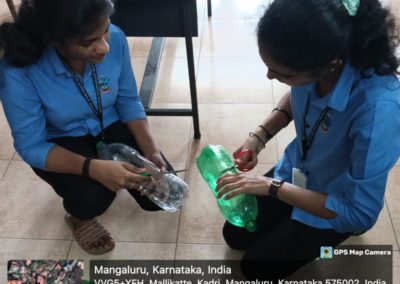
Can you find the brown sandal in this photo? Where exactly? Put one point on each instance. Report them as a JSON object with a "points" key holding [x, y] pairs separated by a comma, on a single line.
{"points": [[88, 235]]}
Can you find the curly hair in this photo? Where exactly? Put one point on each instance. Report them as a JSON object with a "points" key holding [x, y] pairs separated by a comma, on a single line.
{"points": [[307, 35], [40, 23]]}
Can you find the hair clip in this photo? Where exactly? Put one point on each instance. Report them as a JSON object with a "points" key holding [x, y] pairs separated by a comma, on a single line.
{"points": [[351, 6]]}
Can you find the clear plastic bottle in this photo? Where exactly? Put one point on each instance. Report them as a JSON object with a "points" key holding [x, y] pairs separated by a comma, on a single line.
{"points": [[241, 210], [166, 190]]}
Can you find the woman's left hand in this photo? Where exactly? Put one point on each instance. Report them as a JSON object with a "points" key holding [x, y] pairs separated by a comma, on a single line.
{"points": [[157, 159], [234, 184]]}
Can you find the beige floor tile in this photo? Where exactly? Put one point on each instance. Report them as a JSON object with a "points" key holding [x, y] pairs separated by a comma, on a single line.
{"points": [[395, 8], [206, 252], [29, 207], [393, 198], [128, 222], [396, 267], [138, 65], [284, 137], [237, 9], [229, 125], [375, 236], [233, 80], [201, 222], [229, 38], [7, 149], [30, 249], [17, 157], [172, 84], [3, 167], [173, 47], [125, 250], [172, 135], [5, 17], [279, 90]]}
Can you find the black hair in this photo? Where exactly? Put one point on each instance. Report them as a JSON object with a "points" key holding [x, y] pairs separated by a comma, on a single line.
{"points": [[307, 35], [40, 23]]}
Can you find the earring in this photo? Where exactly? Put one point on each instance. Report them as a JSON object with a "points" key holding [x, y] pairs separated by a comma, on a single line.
{"points": [[336, 64]]}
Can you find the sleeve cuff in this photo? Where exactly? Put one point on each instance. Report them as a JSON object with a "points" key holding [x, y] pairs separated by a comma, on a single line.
{"points": [[36, 157]]}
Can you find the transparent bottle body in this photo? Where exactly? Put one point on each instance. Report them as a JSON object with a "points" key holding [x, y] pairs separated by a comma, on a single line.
{"points": [[240, 210], [166, 190]]}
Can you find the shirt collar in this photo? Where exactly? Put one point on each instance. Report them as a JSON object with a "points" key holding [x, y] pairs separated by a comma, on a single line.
{"points": [[55, 61], [339, 96]]}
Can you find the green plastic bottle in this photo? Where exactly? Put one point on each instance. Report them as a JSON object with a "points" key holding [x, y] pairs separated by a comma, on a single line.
{"points": [[240, 210]]}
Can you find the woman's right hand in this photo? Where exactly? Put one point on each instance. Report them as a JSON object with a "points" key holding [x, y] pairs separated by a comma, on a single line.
{"points": [[116, 175], [245, 161]]}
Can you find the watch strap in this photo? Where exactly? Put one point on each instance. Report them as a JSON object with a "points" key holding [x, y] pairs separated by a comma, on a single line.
{"points": [[274, 187]]}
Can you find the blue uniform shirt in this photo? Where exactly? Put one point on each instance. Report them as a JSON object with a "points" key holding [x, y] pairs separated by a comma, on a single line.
{"points": [[354, 148], [42, 101]]}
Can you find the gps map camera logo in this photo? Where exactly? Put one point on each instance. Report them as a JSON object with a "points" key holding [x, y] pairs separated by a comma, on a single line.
{"points": [[326, 252]]}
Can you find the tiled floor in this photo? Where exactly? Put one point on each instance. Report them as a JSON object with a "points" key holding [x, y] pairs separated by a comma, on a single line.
{"points": [[231, 85]]}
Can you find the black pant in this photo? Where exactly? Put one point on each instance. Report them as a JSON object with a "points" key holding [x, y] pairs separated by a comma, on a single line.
{"points": [[280, 245], [83, 197]]}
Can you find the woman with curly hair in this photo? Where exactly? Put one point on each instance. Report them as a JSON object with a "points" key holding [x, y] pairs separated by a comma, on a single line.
{"points": [[66, 84], [338, 56]]}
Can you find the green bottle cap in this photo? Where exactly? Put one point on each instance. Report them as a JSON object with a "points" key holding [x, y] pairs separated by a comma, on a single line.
{"points": [[100, 145], [250, 226]]}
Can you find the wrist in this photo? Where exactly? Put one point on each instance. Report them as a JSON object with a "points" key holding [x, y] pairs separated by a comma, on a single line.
{"points": [[275, 185], [253, 144], [153, 153], [86, 167]]}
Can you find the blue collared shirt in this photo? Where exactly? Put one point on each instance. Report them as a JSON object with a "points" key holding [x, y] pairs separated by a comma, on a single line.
{"points": [[42, 101], [353, 150]]}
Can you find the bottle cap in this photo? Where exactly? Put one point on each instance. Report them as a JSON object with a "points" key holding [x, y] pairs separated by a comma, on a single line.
{"points": [[250, 226]]}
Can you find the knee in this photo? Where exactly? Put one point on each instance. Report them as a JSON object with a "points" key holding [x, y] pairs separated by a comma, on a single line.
{"points": [[88, 206], [235, 237]]}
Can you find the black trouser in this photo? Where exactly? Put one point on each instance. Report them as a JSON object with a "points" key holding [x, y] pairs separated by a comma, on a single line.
{"points": [[280, 245], [83, 197]]}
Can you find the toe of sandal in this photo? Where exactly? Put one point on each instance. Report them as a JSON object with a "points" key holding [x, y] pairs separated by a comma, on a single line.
{"points": [[90, 234]]}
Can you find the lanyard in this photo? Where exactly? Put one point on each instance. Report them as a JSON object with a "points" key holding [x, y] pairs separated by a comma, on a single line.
{"points": [[99, 110], [306, 141]]}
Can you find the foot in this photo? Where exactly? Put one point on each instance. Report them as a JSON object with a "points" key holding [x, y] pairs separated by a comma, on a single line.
{"points": [[91, 235]]}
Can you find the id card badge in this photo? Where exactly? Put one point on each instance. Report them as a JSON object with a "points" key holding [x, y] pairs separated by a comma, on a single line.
{"points": [[299, 178]]}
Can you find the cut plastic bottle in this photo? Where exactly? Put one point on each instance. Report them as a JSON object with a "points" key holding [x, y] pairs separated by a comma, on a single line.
{"points": [[166, 190], [241, 210]]}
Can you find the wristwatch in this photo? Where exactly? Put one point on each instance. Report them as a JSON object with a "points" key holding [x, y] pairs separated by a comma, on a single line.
{"points": [[274, 187]]}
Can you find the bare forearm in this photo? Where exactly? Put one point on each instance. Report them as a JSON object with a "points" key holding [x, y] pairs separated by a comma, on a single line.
{"points": [[141, 131], [61, 160], [277, 119]]}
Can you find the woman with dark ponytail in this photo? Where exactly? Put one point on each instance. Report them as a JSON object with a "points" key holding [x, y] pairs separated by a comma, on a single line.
{"points": [[339, 58], [67, 83]]}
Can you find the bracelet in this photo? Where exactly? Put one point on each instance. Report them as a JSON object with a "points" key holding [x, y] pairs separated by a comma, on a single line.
{"points": [[269, 135], [260, 141], [85, 167], [285, 112]]}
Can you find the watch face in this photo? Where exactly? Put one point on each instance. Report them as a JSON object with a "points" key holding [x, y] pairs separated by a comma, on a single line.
{"points": [[277, 182]]}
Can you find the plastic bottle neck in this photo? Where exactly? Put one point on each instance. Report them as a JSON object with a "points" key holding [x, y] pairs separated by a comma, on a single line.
{"points": [[100, 146]]}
